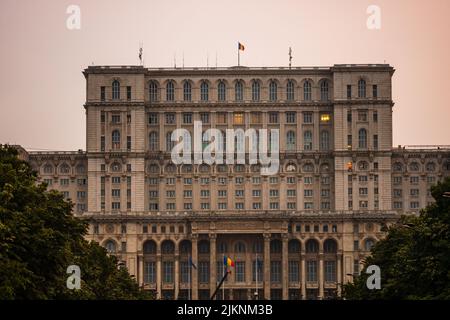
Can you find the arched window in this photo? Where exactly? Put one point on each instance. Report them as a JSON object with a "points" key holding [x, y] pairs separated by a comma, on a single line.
{"points": [[324, 140], [169, 143], [290, 90], [290, 140], [330, 246], [80, 169], [221, 91], [222, 247], [294, 246], [256, 90], [116, 89], [110, 246], [239, 247], [308, 167], [185, 247], [431, 167], [204, 168], [204, 91], [153, 141], [414, 166], [187, 168], [324, 91], [362, 138], [275, 246], [203, 247], [187, 91], [48, 169], [273, 91], [171, 168], [153, 91], [167, 247], [363, 165], [239, 91], [307, 140], [397, 167], [258, 247], [64, 168], [368, 244], [170, 91], [149, 247], [153, 168], [361, 88], [115, 138], [312, 246], [307, 90]]}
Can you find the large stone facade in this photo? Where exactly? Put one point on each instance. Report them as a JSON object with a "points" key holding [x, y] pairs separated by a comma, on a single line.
{"points": [[309, 226]]}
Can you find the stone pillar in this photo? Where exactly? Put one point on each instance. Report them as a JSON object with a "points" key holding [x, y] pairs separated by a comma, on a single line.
{"points": [[158, 270], [303, 275], [194, 277], [284, 268], [267, 266], [140, 277], [177, 273], [321, 277], [212, 264], [339, 274]]}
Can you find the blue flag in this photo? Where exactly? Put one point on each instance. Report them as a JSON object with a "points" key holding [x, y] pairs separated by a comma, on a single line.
{"points": [[191, 263]]}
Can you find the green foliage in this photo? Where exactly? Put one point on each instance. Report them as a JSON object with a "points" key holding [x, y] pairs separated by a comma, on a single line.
{"points": [[40, 238], [414, 257]]}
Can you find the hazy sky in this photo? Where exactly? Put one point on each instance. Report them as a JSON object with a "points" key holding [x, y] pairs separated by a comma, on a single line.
{"points": [[42, 89]]}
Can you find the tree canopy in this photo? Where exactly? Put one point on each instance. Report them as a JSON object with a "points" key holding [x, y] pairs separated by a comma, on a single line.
{"points": [[40, 238], [414, 257]]}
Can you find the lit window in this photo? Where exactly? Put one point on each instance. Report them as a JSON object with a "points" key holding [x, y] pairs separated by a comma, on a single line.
{"points": [[238, 118], [325, 117]]}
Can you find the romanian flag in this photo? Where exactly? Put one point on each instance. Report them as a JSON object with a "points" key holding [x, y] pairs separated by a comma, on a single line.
{"points": [[228, 262], [241, 46]]}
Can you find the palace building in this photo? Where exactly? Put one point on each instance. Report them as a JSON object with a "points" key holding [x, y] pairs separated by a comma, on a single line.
{"points": [[298, 234]]}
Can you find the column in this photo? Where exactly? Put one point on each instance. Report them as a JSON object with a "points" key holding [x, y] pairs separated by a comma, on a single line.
{"points": [[303, 275], [284, 263], [339, 274], [194, 277], [212, 264], [177, 273], [158, 271], [267, 266], [140, 277], [321, 278]]}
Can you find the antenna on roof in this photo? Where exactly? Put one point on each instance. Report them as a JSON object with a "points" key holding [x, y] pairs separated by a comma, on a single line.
{"points": [[216, 59], [183, 59], [175, 60], [290, 57], [207, 60], [141, 50]]}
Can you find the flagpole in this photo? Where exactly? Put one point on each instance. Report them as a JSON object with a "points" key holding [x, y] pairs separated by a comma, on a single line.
{"points": [[223, 285], [256, 270], [239, 56], [189, 280]]}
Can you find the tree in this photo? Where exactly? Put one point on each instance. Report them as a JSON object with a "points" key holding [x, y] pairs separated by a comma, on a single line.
{"points": [[40, 238], [414, 257]]}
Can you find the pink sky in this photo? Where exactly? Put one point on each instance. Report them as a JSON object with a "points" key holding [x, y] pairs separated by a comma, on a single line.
{"points": [[42, 89]]}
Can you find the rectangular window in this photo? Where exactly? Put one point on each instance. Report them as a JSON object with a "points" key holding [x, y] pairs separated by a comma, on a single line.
{"points": [[255, 118], [273, 117], [115, 118], [204, 117], [203, 272], [330, 271], [349, 91], [168, 271], [293, 271], [307, 117], [240, 271], [291, 117], [275, 271], [170, 118], [102, 93], [187, 118], [128, 93], [274, 205], [238, 118], [375, 91], [149, 272], [311, 271], [115, 206], [128, 143], [221, 118], [375, 141], [153, 118], [362, 116]]}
